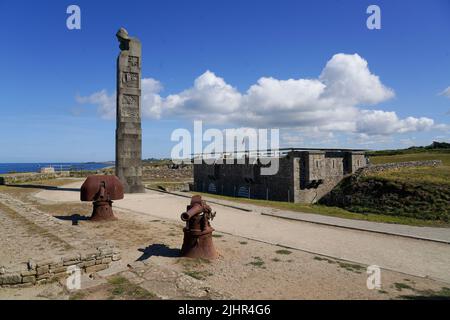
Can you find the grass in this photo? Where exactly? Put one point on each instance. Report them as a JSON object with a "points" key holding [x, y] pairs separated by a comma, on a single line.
{"points": [[66, 209], [122, 288], [435, 175], [324, 259], [345, 265], [257, 262], [400, 286], [79, 295], [190, 262], [283, 251], [191, 267], [276, 260], [439, 175], [416, 196], [442, 294], [196, 274], [329, 211], [351, 267], [443, 155]]}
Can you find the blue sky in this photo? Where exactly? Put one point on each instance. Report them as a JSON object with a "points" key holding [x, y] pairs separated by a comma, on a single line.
{"points": [[49, 110]]}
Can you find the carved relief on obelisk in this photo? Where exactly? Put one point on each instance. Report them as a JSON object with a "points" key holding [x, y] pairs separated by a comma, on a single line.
{"points": [[128, 130]]}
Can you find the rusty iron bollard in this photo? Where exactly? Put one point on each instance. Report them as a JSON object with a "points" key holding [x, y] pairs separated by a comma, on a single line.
{"points": [[197, 241], [102, 189]]}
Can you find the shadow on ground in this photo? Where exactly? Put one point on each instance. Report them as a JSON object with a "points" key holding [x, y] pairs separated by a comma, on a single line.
{"points": [[74, 218], [159, 250], [37, 186]]}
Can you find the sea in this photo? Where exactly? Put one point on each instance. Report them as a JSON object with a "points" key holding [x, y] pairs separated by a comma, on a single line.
{"points": [[36, 167]]}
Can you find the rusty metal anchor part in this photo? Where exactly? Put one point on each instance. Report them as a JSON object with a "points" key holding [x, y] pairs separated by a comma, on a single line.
{"points": [[101, 190], [197, 241]]}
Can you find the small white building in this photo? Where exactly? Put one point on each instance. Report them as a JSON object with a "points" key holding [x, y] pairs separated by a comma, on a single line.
{"points": [[48, 170]]}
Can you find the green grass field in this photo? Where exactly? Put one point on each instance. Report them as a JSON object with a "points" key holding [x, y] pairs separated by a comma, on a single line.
{"points": [[418, 193], [330, 211], [443, 155], [439, 175]]}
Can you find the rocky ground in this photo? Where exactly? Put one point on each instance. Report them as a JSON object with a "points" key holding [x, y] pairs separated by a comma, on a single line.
{"points": [[151, 268]]}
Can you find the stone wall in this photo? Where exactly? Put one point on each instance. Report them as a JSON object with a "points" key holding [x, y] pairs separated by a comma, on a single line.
{"points": [[167, 173], [303, 176], [15, 178], [34, 272], [245, 180]]}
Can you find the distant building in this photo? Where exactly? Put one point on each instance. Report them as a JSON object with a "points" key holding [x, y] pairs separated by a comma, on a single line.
{"points": [[47, 170], [304, 175]]}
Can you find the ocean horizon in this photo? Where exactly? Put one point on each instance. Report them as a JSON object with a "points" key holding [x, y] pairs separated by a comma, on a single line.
{"points": [[59, 166]]}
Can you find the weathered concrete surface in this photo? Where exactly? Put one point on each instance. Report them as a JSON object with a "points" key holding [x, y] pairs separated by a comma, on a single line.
{"points": [[415, 257], [425, 233], [128, 131]]}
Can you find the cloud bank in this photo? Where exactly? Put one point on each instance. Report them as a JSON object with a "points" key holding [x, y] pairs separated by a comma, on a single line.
{"points": [[446, 93], [339, 100]]}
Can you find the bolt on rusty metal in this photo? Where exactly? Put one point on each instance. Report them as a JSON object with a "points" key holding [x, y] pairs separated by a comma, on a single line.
{"points": [[197, 242], [101, 189]]}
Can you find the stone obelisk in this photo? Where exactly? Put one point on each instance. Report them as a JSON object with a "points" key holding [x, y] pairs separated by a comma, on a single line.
{"points": [[128, 128]]}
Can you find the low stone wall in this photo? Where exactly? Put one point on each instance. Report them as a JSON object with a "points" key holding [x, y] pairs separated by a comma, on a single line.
{"points": [[15, 178], [167, 173], [35, 272], [397, 165]]}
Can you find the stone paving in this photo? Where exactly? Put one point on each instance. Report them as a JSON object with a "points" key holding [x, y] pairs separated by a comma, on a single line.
{"points": [[167, 283]]}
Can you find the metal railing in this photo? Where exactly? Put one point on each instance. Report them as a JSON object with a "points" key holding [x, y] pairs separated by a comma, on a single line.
{"points": [[266, 153]]}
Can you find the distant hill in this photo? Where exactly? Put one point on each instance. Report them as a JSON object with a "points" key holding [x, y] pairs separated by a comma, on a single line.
{"points": [[434, 147]]}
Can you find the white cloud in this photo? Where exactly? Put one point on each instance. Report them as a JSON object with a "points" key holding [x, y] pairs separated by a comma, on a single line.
{"points": [[151, 100], [446, 92], [377, 122], [210, 98], [350, 82], [331, 103], [106, 103]]}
